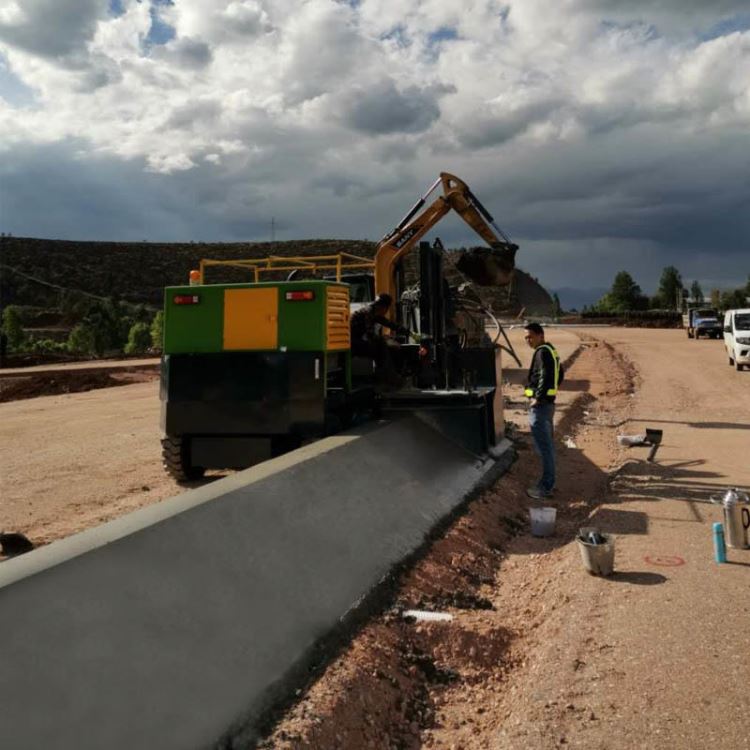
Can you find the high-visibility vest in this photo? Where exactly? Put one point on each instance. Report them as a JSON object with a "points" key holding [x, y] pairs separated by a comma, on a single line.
{"points": [[556, 359]]}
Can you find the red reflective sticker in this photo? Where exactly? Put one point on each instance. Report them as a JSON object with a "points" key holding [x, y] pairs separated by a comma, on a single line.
{"points": [[300, 296], [186, 299]]}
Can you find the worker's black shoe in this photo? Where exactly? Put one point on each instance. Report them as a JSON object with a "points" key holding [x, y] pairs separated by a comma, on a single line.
{"points": [[538, 494]]}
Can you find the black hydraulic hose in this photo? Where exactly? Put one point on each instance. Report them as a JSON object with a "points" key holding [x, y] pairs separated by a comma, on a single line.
{"points": [[409, 215], [473, 307], [501, 331], [510, 351], [413, 210], [488, 216], [478, 205]]}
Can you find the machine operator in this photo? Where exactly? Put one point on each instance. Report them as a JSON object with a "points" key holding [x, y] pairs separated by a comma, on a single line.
{"points": [[367, 342]]}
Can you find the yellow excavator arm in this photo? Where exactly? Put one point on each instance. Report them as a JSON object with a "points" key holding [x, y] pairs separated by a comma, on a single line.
{"points": [[457, 196]]}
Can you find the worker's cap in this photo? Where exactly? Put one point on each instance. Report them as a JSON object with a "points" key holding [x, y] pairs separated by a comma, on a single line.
{"points": [[384, 300]]}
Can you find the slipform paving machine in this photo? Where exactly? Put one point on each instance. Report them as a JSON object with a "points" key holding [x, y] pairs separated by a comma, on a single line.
{"points": [[253, 370]]}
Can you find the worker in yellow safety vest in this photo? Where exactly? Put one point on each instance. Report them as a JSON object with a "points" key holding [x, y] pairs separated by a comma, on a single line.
{"points": [[545, 376]]}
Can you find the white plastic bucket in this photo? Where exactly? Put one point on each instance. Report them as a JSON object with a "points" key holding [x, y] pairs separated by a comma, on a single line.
{"points": [[542, 521], [630, 440]]}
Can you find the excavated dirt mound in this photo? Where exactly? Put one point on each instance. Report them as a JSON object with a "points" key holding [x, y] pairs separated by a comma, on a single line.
{"points": [[32, 385]]}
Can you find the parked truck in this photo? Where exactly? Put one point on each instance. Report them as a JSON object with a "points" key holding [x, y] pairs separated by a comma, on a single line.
{"points": [[702, 321]]}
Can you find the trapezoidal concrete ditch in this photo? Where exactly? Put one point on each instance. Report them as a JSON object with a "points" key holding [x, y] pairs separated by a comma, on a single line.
{"points": [[179, 625]]}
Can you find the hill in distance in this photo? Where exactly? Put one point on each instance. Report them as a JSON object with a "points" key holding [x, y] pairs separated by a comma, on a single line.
{"points": [[33, 272]]}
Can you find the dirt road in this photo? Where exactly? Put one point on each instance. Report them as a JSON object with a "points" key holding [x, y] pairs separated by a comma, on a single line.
{"points": [[76, 460], [539, 654]]}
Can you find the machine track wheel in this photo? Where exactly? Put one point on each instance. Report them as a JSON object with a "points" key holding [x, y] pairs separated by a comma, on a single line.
{"points": [[175, 453]]}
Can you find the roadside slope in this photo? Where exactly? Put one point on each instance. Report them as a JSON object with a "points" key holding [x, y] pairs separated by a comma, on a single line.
{"points": [[539, 654], [402, 684]]}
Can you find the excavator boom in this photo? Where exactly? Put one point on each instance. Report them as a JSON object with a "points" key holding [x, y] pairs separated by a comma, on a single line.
{"points": [[493, 268]]}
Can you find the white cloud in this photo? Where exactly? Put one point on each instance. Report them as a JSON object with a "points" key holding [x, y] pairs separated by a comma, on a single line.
{"points": [[321, 105], [236, 21]]}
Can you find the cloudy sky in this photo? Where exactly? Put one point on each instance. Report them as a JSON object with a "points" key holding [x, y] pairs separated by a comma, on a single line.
{"points": [[602, 134]]}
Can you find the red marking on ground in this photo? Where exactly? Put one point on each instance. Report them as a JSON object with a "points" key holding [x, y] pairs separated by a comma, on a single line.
{"points": [[665, 561]]}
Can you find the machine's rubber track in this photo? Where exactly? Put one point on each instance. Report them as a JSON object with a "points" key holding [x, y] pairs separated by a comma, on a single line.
{"points": [[175, 452]]}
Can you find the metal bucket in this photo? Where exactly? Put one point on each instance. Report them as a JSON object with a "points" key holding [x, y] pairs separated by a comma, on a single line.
{"points": [[598, 559], [736, 507], [737, 523]]}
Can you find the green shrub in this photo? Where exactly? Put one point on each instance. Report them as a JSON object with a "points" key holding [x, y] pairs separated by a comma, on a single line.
{"points": [[157, 331], [82, 340], [48, 346], [105, 329], [12, 328], [139, 339]]}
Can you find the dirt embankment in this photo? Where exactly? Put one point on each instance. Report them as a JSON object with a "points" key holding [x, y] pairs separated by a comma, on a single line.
{"points": [[53, 383], [405, 684]]}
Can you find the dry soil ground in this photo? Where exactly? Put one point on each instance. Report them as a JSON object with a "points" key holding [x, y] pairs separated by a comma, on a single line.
{"points": [[74, 460], [538, 653]]}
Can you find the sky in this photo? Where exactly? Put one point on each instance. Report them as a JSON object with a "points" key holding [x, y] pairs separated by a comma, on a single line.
{"points": [[603, 135]]}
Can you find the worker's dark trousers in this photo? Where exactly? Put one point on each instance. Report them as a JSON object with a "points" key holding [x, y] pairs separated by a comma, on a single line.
{"points": [[377, 350], [542, 423]]}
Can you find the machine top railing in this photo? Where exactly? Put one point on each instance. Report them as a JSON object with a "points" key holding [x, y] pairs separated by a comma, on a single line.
{"points": [[338, 262]]}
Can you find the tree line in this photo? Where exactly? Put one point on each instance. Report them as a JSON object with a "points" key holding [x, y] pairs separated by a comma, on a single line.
{"points": [[97, 327], [626, 295]]}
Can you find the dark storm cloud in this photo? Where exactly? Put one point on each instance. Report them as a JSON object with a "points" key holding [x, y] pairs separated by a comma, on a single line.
{"points": [[191, 54], [53, 28], [646, 8], [97, 72], [48, 192], [382, 108], [486, 128], [674, 15], [194, 113], [339, 185], [643, 186]]}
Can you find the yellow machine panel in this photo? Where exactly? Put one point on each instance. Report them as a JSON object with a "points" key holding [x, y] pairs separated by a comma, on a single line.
{"points": [[337, 318], [251, 318]]}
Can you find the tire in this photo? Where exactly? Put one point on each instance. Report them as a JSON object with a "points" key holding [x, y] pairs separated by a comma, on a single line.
{"points": [[739, 367], [689, 333], [731, 360], [175, 453]]}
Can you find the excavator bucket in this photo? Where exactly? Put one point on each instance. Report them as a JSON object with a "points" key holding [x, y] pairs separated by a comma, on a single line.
{"points": [[488, 266]]}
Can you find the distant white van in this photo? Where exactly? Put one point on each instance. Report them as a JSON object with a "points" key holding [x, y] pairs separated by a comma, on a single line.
{"points": [[737, 337]]}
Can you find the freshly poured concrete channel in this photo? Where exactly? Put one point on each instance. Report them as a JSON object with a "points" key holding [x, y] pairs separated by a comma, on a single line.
{"points": [[175, 627]]}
